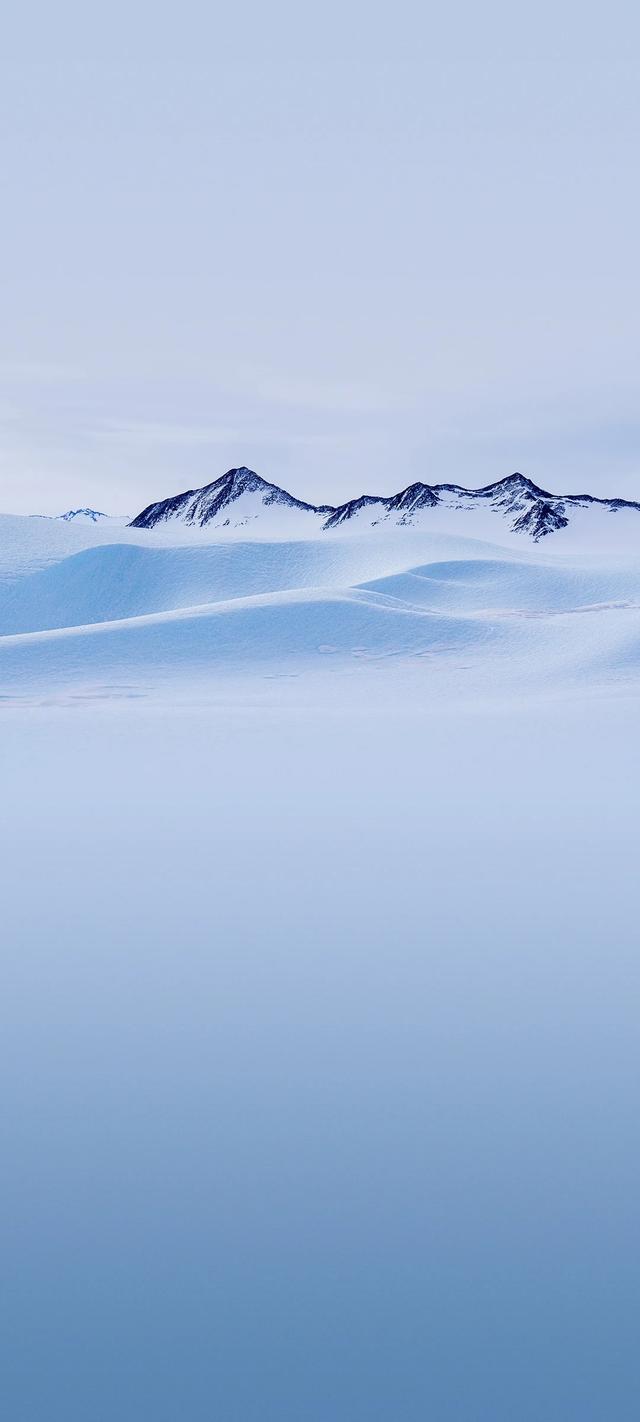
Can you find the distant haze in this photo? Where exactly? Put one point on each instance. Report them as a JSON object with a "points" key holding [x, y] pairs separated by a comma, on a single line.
{"points": [[348, 246]]}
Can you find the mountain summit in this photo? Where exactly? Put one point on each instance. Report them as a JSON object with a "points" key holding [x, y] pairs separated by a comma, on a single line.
{"points": [[72, 514], [240, 497], [216, 501]]}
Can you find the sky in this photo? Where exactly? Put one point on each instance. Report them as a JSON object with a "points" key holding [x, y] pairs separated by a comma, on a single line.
{"points": [[349, 246]]}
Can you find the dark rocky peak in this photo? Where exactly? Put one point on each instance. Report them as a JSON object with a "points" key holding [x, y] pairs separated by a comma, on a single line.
{"points": [[416, 496], [541, 518], [201, 506], [516, 487], [347, 511], [71, 514]]}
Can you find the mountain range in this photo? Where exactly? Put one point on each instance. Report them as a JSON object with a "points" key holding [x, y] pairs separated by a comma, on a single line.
{"points": [[81, 514], [241, 496]]}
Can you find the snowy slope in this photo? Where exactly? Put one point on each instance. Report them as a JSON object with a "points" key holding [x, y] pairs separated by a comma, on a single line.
{"points": [[131, 578], [29, 543]]}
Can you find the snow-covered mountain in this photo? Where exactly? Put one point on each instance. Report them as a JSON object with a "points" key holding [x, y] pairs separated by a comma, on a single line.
{"points": [[73, 514], [240, 497]]}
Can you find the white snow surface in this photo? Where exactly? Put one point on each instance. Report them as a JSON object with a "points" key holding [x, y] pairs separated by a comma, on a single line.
{"points": [[91, 606]]}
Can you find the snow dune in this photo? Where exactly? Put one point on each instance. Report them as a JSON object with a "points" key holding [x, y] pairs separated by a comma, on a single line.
{"points": [[128, 580], [101, 605]]}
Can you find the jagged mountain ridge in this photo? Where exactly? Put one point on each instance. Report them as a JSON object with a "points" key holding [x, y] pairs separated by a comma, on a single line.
{"points": [[239, 496], [72, 514], [202, 506]]}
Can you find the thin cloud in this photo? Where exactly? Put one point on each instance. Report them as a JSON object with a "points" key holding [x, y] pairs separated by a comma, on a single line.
{"points": [[39, 372], [339, 397], [147, 433]]}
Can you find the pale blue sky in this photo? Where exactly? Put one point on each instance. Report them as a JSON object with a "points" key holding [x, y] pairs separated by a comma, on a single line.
{"points": [[350, 246]]}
